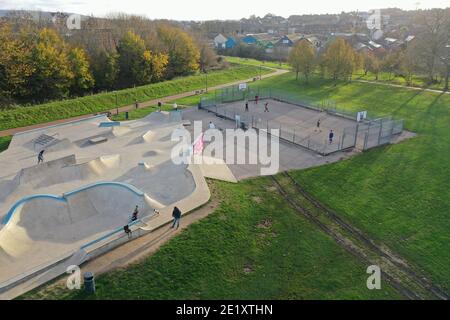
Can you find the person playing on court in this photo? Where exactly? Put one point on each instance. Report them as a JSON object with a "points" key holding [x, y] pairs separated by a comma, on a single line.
{"points": [[318, 125], [331, 136], [211, 125], [246, 106], [135, 214], [41, 156], [266, 107], [256, 99]]}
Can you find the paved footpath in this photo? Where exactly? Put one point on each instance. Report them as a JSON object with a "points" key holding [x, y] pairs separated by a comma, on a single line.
{"points": [[149, 103]]}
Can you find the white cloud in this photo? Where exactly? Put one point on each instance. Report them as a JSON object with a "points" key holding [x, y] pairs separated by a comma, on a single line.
{"points": [[204, 9]]}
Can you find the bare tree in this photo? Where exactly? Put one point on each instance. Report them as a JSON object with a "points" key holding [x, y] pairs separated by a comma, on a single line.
{"points": [[432, 41]]}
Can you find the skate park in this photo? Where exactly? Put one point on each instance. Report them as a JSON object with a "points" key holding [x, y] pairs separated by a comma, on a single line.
{"points": [[73, 206]]}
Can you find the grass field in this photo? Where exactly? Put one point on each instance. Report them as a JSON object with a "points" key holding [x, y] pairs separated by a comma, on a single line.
{"points": [[253, 62], [24, 116], [399, 194], [254, 246], [384, 77]]}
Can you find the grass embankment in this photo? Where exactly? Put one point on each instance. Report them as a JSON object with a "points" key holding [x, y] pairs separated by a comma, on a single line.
{"points": [[4, 143], [399, 194], [24, 116], [254, 246]]}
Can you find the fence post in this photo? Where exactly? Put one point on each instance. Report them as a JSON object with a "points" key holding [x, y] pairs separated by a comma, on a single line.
{"points": [[392, 131], [267, 126], [379, 133], [293, 137], [366, 138]]}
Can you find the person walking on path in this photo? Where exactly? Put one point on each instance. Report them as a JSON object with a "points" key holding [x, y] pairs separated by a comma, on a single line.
{"points": [[176, 214], [136, 104], [318, 126], [256, 99], [135, 214], [41, 156], [331, 136], [175, 106], [246, 106], [266, 107]]}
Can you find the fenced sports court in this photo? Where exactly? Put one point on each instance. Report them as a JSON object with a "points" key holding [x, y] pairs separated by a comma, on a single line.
{"points": [[304, 123]]}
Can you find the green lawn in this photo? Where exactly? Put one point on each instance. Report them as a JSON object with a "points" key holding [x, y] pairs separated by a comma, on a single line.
{"points": [[384, 77], [254, 62], [4, 143], [399, 194], [254, 246], [24, 116]]}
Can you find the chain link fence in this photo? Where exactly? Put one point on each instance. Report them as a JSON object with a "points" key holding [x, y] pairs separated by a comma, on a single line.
{"points": [[380, 132]]}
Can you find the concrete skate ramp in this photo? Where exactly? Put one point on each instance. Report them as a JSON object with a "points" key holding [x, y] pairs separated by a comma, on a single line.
{"points": [[60, 145], [120, 131], [60, 171], [33, 176], [149, 136], [178, 181], [162, 134], [217, 169], [158, 117], [42, 228], [42, 170]]}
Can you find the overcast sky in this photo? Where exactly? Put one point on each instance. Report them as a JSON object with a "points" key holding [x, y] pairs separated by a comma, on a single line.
{"points": [[214, 9]]}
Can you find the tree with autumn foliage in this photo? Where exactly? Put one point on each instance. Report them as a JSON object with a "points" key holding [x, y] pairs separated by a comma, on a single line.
{"points": [[339, 59], [183, 54], [155, 65], [82, 76], [52, 75], [137, 65], [15, 66], [302, 58]]}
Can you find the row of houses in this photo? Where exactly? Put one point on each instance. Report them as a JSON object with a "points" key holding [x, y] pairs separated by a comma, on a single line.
{"points": [[282, 44], [268, 41], [366, 44]]}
